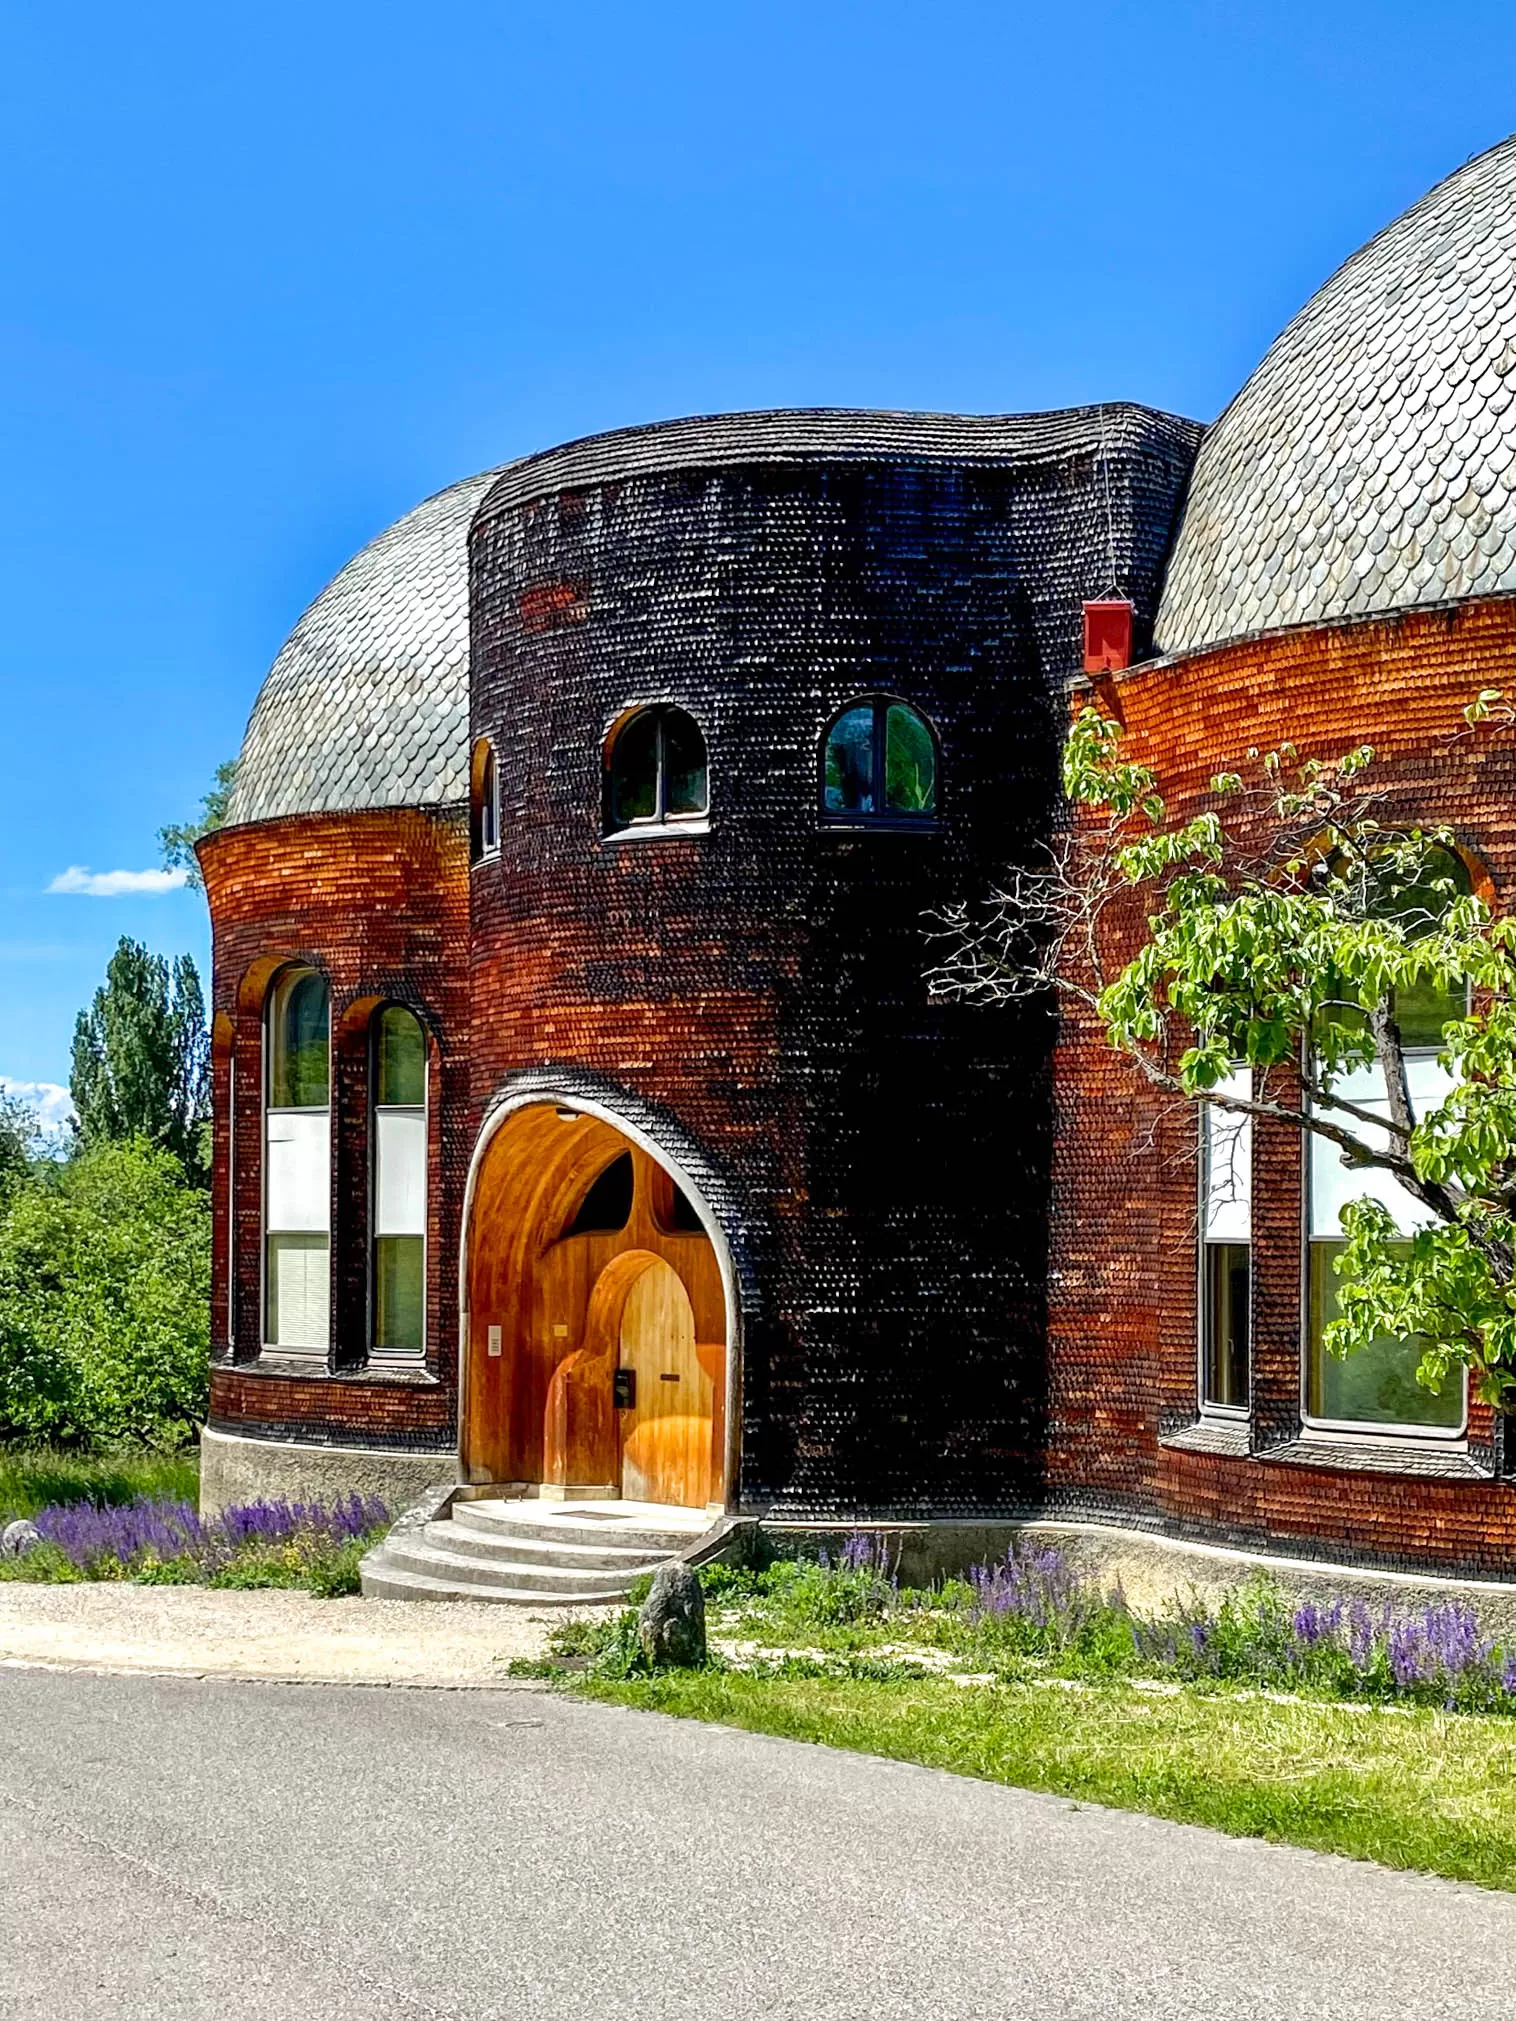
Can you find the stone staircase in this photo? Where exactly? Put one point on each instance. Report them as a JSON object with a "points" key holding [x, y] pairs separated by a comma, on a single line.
{"points": [[526, 1553]]}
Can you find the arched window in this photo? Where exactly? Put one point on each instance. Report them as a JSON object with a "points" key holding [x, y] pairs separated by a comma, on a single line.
{"points": [[607, 1206], [297, 1164], [398, 1070], [484, 801], [657, 774], [879, 764], [1377, 1388]]}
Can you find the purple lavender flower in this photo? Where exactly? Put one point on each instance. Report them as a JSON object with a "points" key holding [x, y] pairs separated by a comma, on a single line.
{"points": [[120, 1538], [1314, 1624], [864, 1551]]}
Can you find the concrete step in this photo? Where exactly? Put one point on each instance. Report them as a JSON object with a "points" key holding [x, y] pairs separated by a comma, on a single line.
{"points": [[385, 1582], [504, 1519], [566, 1551], [590, 1584], [528, 1554]]}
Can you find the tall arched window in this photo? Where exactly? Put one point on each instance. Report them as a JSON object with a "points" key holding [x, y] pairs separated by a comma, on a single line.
{"points": [[1377, 1388], [657, 774], [297, 1164], [399, 1188], [879, 763], [484, 801]]}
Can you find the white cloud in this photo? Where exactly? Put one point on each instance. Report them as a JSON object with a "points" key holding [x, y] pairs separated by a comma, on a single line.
{"points": [[117, 883], [51, 1102]]}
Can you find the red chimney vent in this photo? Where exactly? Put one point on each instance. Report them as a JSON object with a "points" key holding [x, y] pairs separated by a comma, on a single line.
{"points": [[1107, 636]]}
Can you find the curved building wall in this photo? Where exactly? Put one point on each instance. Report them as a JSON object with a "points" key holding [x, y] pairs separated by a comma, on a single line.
{"points": [[883, 1162], [378, 903], [1126, 1439]]}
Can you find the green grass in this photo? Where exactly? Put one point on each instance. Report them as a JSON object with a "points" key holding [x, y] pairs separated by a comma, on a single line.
{"points": [[33, 1476], [1409, 1787]]}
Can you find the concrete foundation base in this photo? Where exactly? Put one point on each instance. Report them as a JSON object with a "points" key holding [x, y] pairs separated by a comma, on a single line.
{"points": [[235, 1469], [1153, 1571]]}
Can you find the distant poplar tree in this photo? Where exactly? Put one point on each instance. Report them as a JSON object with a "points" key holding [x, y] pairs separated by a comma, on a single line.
{"points": [[141, 1061]]}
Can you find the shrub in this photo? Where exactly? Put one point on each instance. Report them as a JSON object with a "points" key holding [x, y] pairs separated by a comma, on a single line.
{"points": [[104, 1301]]}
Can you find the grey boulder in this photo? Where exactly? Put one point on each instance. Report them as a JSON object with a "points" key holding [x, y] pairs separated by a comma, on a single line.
{"points": [[17, 1538], [671, 1626]]}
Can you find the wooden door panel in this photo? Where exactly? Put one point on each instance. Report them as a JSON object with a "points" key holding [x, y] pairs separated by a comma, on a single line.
{"points": [[666, 1436]]}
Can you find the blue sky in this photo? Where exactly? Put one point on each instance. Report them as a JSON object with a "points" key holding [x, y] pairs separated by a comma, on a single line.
{"points": [[270, 275]]}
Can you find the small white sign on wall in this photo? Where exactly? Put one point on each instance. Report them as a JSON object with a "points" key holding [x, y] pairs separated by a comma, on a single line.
{"points": [[494, 1340]]}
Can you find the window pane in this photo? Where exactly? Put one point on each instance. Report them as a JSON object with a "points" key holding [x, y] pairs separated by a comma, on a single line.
{"points": [[297, 1178], [684, 771], [1424, 1009], [1226, 1323], [400, 1172], [910, 762], [1333, 1184], [401, 1075], [1378, 1386], [399, 1292], [489, 803], [849, 787], [1227, 1140], [297, 1291], [607, 1206], [634, 770], [298, 1065]]}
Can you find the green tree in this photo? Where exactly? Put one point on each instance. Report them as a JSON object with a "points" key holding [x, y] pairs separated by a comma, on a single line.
{"points": [[176, 842], [141, 1058], [104, 1300], [19, 1132], [1290, 927]]}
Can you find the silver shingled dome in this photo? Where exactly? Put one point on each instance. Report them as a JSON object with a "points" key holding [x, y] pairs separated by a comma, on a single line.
{"points": [[1369, 464], [367, 703]]}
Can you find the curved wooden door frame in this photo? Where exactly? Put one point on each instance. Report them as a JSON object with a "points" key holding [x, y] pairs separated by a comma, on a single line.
{"points": [[603, 1112]]}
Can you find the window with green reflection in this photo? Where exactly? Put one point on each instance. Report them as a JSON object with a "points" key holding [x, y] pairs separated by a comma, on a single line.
{"points": [[299, 1041], [879, 763], [1377, 1387], [658, 774]]}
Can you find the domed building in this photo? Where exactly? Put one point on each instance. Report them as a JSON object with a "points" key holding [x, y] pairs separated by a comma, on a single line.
{"points": [[589, 1149]]}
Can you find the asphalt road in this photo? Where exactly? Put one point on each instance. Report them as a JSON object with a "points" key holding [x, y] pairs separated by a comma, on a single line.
{"points": [[176, 1847]]}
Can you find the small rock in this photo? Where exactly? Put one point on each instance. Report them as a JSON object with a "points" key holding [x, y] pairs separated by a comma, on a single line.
{"points": [[671, 1626], [17, 1538]]}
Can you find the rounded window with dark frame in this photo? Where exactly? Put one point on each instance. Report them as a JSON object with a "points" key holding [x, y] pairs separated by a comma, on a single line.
{"points": [[658, 774], [879, 765], [484, 802]]}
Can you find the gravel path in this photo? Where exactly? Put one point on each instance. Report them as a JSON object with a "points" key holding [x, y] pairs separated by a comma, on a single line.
{"points": [[265, 1633]]}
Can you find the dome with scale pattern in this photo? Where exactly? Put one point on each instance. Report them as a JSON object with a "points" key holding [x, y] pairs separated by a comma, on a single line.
{"points": [[367, 702], [1369, 464]]}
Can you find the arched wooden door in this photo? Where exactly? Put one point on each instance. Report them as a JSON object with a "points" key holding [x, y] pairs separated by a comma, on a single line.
{"points": [[665, 1397], [578, 1289]]}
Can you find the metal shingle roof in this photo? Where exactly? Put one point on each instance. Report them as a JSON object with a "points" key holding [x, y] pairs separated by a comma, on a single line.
{"points": [[1369, 464], [367, 702]]}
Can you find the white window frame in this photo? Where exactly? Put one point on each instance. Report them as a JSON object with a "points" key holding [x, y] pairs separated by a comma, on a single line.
{"points": [[321, 1353], [1409, 1217], [407, 1357], [1239, 1083]]}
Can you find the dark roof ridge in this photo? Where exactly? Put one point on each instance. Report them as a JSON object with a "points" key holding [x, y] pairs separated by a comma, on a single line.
{"points": [[828, 434]]}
